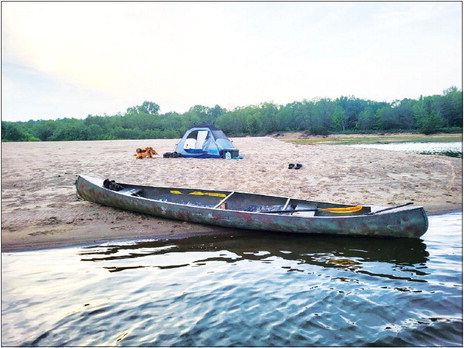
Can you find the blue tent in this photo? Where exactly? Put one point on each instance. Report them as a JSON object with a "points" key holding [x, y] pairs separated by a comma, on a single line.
{"points": [[206, 141]]}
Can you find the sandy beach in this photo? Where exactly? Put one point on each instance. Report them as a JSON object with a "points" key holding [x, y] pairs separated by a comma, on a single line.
{"points": [[40, 207]]}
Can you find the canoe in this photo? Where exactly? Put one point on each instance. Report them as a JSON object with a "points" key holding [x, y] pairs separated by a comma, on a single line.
{"points": [[256, 211]]}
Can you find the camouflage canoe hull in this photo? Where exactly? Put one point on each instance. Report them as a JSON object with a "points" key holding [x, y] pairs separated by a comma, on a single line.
{"points": [[256, 211]]}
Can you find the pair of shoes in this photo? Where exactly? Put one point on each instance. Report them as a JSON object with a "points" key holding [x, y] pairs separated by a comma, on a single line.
{"points": [[297, 166]]}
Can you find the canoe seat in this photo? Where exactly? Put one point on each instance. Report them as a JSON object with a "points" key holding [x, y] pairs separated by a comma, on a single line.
{"points": [[301, 210], [131, 192], [304, 213]]}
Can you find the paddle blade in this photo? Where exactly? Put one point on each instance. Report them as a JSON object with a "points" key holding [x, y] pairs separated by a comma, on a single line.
{"points": [[343, 210]]}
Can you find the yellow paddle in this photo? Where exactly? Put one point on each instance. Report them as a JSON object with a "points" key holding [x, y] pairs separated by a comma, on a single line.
{"points": [[344, 210], [199, 193]]}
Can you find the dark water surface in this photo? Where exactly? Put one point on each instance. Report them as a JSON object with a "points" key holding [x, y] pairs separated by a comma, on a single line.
{"points": [[240, 288]]}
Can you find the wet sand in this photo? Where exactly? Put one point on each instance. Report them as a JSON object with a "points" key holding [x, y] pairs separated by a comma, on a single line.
{"points": [[40, 207]]}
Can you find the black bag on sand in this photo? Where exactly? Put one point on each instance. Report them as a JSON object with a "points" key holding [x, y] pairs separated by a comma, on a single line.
{"points": [[172, 155], [111, 185]]}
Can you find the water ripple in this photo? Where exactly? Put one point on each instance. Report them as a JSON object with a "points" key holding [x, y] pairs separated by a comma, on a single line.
{"points": [[244, 289]]}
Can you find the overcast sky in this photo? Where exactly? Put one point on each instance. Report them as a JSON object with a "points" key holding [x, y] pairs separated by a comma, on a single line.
{"points": [[72, 59]]}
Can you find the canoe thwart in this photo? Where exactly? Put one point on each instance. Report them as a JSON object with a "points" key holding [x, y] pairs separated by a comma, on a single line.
{"points": [[222, 203], [131, 192]]}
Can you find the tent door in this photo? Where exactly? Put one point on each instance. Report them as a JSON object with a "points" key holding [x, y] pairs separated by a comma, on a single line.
{"points": [[201, 137], [189, 143]]}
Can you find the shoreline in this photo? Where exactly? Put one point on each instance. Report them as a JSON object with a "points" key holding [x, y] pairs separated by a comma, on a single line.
{"points": [[202, 230], [119, 238], [40, 208]]}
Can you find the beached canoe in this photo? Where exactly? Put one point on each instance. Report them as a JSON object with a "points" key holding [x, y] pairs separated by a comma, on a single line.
{"points": [[256, 211]]}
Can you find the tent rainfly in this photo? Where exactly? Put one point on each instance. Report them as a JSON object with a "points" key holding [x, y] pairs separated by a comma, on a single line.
{"points": [[206, 141]]}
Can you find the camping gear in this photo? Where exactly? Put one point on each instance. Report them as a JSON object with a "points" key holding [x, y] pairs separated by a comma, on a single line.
{"points": [[171, 155], [256, 211], [206, 141]]}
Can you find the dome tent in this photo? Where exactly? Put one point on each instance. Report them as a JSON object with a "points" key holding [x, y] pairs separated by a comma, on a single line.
{"points": [[206, 141]]}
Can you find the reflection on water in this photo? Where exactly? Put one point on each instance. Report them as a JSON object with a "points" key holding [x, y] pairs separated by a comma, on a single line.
{"points": [[240, 288], [255, 246]]}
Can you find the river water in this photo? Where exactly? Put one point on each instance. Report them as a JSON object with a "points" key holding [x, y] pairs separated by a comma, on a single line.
{"points": [[240, 288], [415, 147]]}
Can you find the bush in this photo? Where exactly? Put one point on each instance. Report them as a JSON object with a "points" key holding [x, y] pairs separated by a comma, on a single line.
{"points": [[14, 132]]}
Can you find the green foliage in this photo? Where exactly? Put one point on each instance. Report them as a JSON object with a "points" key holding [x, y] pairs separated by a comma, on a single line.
{"points": [[15, 131], [340, 119], [428, 115], [431, 114], [148, 108], [449, 153], [431, 123]]}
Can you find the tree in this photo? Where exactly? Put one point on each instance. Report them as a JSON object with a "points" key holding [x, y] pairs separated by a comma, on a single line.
{"points": [[216, 111], [324, 109], [12, 131], [388, 119], [268, 114], [253, 124], [428, 114], [44, 130], [339, 119], [233, 122], [429, 119], [451, 107], [431, 123], [95, 132], [367, 120], [299, 118], [147, 107], [352, 107], [404, 109]]}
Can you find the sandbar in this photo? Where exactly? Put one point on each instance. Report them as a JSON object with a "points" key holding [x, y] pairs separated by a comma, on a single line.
{"points": [[40, 208]]}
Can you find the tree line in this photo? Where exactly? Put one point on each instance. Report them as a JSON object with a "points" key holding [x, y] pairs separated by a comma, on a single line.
{"points": [[430, 114]]}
